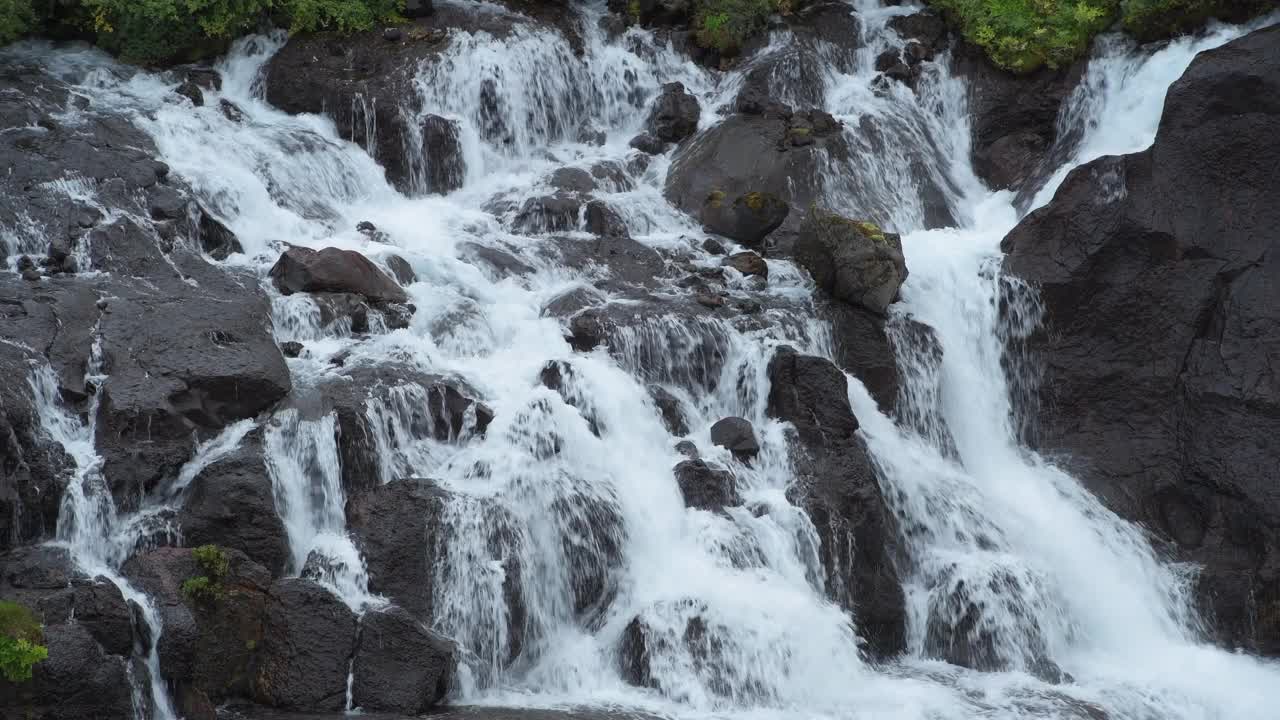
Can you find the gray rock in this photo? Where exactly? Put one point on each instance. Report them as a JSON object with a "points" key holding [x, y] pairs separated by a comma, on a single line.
{"points": [[853, 261], [400, 665], [309, 639], [302, 269]]}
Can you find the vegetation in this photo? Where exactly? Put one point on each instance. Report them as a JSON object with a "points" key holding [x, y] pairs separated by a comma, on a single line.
{"points": [[207, 587], [1024, 35], [1157, 19], [20, 638], [163, 31]]}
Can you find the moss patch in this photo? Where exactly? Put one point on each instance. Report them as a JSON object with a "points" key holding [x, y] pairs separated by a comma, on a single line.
{"points": [[207, 587], [20, 638]]}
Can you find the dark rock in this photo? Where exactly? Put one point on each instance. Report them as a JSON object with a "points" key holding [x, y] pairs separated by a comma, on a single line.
{"points": [[612, 176], [586, 331], [192, 92], [886, 60], [571, 302], [364, 227], [291, 348], [231, 503], [445, 167], [713, 246], [400, 665], [549, 213], [603, 220], [216, 238], [926, 27], [747, 218], [392, 34], [1156, 275], [674, 115], [670, 409], [32, 466], [571, 179], [836, 485], [853, 261], [748, 263], [96, 604], [648, 144], [709, 301], [706, 487], [78, 681], [302, 269], [231, 111], [397, 527], [863, 348], [736, 435], [500, 262], [688, 449], [309, 639], [205, 77], [418, 8], [401, 270]]}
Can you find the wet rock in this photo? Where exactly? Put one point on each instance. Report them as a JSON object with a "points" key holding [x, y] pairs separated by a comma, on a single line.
{"points": [[446, 168], [397, 527], [571, 302], [611, 176], [862, 347], [310, 636], [706, 487], [737, 436], [550, 213], [837, 487], [571, 179], [713, 246], [216, 238], [401, 270], [670, 408], [418, 8], [302, 269], [231, 503], [392, 34], [191, 91], [32, 469], [674, 115], [400, 665], [1161, 312], [854, 261], [231, 111], [748, 263], [78, 681], [746, 218], [709, 300], [500, 262], [291, 348], [648, 144], [586, 331], [603, 220], [96, 604], [926, 27]]}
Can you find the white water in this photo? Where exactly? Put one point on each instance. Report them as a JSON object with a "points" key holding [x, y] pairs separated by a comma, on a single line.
{"points": [[1059, 579]]}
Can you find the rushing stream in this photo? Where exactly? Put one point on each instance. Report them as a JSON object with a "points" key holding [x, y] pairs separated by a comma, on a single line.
{"points": [[1063, 583]]}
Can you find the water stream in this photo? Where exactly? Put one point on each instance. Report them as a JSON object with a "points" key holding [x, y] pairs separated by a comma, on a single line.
{"points": [[1067, 590]]}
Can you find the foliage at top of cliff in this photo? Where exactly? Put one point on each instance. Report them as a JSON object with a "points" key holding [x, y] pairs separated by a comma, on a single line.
{"points": [[164, 31], [1026, 35]]}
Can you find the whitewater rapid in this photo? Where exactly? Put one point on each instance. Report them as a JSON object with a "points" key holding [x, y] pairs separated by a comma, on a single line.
{"points": [[1059, 577]]}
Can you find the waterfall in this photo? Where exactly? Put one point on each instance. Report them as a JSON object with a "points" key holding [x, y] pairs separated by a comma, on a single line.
{"points": [[564, 529]]}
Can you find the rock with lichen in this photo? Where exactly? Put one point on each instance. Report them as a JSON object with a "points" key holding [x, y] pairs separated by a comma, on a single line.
{"points": [[852, 260], [747, 218]]}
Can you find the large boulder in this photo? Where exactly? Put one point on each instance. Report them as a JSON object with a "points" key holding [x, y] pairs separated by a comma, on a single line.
{"points": [[706, 487], [854, 261], [309, 639], [334, 270], [747, 218], [1161, 312], [836, 485], [400, 665], [78, 681], [231, 503], [674, 115], [736, 435]]}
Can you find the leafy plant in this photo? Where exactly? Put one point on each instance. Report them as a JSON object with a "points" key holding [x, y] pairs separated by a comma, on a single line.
{"points": [[16, 18], [207, 587], [725, 25], [20, 638], [1025, 35]]}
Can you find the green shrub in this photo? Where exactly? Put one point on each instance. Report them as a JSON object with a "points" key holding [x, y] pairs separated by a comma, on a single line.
{"points": [[213, 563], [340, 15], [724, 25], [20, 638], [16, 19], [1025, 35]]}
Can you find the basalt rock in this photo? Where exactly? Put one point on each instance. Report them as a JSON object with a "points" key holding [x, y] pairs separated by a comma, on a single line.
{"points": [[705, 486], [310, 637], [1161, 312], [334, 270], [78, 681], [736, 435], [748, 263], [837, 487], [674, 115], [231, 503], [747, 218], [400, 665], [854, 261], [445, 169], [33, 468]]}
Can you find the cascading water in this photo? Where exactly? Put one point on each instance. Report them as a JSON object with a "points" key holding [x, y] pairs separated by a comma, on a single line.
{"points": [[567, 501]]}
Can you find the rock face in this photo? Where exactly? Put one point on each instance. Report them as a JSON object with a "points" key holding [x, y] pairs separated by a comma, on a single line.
{"points": [[400, 665], [334, 270], [231, 504], [674, 115], [853, 261], [310, 638], [706, 487], [747, 218], [837, 487], [1162, 323], [78, 681]]}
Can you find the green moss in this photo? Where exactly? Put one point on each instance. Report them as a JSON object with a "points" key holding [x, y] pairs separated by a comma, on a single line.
{"points": [[755, 200], [869, 230], [212, 560], [213, 563], [725, 25], [20, 638], [1025, 35], [715, 199], [200, 589], [633, 10]]}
